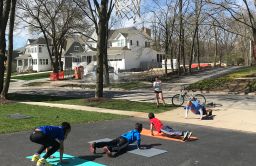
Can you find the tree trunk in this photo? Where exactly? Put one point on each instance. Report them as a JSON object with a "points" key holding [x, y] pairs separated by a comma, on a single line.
{"points": [[10, 51], [216, 46], [192, 51], [101, 46], [105, 60], [254, 45], [166, 47], [180, 36], [198, 49]]}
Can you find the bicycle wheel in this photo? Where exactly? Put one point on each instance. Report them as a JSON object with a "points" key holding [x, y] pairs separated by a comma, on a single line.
{"points": [[178, 100], [201, 98]]}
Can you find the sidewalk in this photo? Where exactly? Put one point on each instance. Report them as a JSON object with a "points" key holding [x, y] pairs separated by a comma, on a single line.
{"points": [[228, 118]]}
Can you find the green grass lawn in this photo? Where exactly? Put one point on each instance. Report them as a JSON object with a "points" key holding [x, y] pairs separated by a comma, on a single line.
{"points": [[31, 77], [118, 104], [225, 81], [45, 116], [125, 86]]}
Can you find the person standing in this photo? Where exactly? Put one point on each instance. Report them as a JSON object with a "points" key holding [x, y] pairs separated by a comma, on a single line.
{"points": [[157, 85]]}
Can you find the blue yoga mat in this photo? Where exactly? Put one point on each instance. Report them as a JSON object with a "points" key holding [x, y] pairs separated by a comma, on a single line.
{"points": [[72, 160]]}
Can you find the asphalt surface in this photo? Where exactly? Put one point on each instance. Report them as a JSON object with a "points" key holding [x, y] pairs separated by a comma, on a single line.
{"points": [[215, 147]]}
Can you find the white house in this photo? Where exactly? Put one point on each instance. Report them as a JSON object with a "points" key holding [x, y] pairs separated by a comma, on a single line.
{"points": [[128, 48], [35, 57]]}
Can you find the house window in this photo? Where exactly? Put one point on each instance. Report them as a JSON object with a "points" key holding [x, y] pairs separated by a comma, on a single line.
{"points": [[40, 49], [121, 43], [76, 48], [137, 43], [147, 44], [109, 44], [34, 61], [40, 61], [76, 59], [160, 57], [46, 61], [131, 42], [19, 62], [89, 59], [35, 50]]}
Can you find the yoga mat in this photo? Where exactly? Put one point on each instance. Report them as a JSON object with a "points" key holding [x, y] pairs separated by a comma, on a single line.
{"points": [[147, 132], [145, 152], [132, 148], [101, 140], [72, 160]]}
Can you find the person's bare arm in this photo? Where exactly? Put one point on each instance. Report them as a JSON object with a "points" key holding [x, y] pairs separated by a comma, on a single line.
{"points": [[151, 129], [61, 151]]}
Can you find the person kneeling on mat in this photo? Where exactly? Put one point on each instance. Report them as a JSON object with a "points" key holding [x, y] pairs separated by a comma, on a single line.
{"points": [[196, 107], [120, 143], [166, 130], [51, 138]]}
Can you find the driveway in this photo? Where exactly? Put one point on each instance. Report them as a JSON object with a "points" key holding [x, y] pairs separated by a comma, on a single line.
{"points": [[215, 147]]}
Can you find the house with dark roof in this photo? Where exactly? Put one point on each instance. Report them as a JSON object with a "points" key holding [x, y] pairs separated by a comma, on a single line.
{"points": [[35, 56], [128, 49]]}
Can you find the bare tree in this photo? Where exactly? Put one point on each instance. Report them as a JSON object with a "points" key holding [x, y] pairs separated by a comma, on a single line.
{"points": [[242, 15], [99, 12], [164, 20], [55, 19], [7, 13]]}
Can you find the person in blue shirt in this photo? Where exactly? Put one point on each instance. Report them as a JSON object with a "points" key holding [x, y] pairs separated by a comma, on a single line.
{"points": [[51, 138], [196, 107], [120, 143]]}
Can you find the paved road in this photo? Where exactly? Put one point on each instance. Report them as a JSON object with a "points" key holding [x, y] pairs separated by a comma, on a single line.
{"points": [[215, 147]]}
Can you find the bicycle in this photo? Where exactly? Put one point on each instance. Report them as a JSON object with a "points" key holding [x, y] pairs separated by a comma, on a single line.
{"points": [[178, 99]]}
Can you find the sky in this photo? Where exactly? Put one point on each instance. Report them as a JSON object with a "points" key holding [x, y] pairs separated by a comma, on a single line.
{"points": [[22, 35]]}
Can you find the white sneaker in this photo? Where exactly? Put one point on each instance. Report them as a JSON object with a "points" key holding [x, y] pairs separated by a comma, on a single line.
{"points": [[189, 134], [185, 136]]}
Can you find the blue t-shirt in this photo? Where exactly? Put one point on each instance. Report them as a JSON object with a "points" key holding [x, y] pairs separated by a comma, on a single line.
{"points": [[55, 132], [132, 136], [195, 106]]}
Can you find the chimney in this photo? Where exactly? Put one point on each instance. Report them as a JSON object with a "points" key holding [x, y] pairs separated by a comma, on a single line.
{"points": [[146, 31]]}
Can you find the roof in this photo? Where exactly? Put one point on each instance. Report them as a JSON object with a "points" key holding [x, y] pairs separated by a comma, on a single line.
{"points": [[126, 32], [111, 51], [23, 56], [70, 43], [40, 40]]}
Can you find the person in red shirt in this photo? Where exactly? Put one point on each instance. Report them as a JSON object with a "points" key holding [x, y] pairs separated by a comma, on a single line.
{"points": [[167, 130]]}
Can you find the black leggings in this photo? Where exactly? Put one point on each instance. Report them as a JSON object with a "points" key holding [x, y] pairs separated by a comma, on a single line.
{"points": [[115, 145], [46, 141]]}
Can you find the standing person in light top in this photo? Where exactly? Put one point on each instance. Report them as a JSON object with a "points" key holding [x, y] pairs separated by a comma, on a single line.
{"points": [[157, 85], [51, 138]]}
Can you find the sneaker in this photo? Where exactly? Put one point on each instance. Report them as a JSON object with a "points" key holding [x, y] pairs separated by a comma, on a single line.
{"points": [[185, 135], [189, 135], [42, 162], [107, 151], [35, 158], [92, 148]]}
